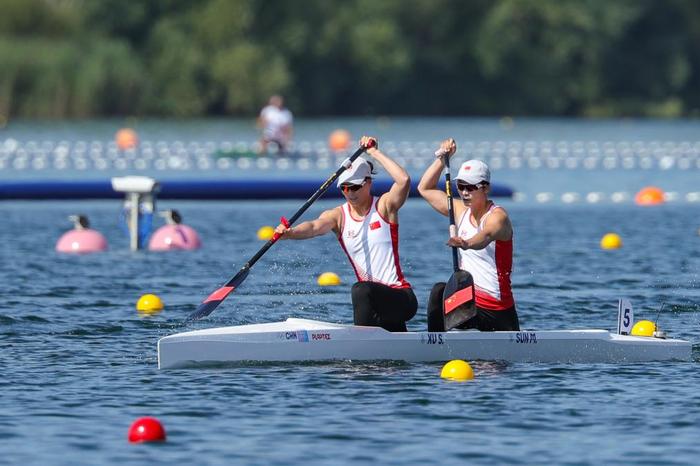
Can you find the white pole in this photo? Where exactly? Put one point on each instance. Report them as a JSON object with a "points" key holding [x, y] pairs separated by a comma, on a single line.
{"points": [[135, 199]]}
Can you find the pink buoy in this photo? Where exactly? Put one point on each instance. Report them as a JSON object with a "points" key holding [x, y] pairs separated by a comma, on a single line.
{"points": [[81, 239], [174, 235], [170, 237]]}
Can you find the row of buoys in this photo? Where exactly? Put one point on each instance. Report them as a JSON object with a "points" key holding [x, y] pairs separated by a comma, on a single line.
{"points": [[648, 196], [127, 139], [206, 163], [513, 155], [172, 236], [202, 160], [536, 160]]}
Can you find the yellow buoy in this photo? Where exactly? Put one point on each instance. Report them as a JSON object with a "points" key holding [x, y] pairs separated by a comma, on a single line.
{"points": [[149, 304], [328, 279], [644, 328], [457, 370], [611, 241], [265, 233]]}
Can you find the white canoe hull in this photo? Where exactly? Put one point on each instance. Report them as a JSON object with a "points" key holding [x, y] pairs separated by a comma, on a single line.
{"points": [[310, 340]]}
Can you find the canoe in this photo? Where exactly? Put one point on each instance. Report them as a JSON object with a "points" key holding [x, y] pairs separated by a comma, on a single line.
{"points": [[302, 340]]}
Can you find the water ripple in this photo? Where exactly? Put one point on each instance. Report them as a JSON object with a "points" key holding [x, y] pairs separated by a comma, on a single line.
{"points": [[80, 364]]}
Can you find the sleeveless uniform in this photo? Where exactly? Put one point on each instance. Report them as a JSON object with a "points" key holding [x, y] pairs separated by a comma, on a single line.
{"points": [[372, 246], [490, 267], [381, 297]]}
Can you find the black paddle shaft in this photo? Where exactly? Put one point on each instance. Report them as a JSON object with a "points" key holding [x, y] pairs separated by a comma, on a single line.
{"points": [[307, 204], [215, 298], [450, 209], [458, 305]]}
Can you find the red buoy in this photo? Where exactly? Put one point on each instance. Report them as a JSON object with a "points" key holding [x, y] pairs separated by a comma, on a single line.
{"points": [[146, 429]]}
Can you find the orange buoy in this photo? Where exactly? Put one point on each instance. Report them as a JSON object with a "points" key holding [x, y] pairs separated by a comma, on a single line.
{"points": [[126, 138], [650, 195], [339, 140], [146, 429]]}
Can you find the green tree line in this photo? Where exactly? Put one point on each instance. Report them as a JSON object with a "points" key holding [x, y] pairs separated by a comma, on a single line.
{"points": [[183, 58]]}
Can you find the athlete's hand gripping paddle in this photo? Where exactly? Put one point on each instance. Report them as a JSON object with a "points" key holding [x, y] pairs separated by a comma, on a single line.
{"points": [[458, 304], [214, 299]]}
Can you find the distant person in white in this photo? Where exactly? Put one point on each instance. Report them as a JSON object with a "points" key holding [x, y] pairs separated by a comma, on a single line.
{"points": [[276, 123]]}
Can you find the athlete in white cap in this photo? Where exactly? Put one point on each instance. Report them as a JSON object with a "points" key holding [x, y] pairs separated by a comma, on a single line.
{"points": [[367, 228], [484, 238]]}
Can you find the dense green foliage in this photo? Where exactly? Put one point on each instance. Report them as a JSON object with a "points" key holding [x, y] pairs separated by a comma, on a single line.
{"points": [[83, 58]]}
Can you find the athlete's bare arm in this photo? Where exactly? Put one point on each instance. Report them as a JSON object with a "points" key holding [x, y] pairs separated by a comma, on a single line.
{"points": [[326, 222], [391, 201], [496, 227], [427, 187]]}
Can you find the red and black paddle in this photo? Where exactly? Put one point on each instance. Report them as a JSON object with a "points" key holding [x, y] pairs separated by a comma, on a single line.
{"points": [[458, 304], [214, 299]]}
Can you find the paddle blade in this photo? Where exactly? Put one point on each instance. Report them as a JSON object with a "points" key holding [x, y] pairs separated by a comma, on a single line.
{"points": [[458, 304], [214, 299]]}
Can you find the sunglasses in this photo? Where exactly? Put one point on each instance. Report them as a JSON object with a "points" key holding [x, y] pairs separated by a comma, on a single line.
{"points": [[468, 187], [352, 187]]}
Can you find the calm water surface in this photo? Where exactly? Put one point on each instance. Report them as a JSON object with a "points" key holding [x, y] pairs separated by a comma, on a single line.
{"points": [[79, 364]]}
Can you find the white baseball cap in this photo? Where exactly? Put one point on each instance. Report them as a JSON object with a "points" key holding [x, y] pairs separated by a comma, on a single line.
{"points": [[474, 172], [356, 174]]}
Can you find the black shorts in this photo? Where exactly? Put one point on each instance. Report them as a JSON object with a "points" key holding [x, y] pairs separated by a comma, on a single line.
{"points": [[486, 320], [378, 305]]}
